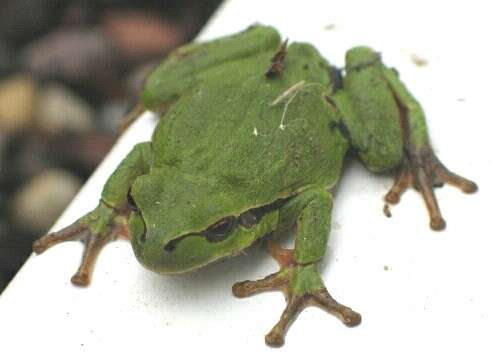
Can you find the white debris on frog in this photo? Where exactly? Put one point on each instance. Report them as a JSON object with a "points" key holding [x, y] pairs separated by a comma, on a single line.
{"points": [[287, 96], [289, 93]]}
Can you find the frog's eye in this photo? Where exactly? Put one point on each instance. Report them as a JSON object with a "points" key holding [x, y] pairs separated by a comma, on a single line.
{"points": [[220, 230], [248, 219], [130, 201]]}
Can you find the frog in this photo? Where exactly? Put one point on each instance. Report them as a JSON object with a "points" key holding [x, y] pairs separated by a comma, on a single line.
{"points": [[252, 137]]}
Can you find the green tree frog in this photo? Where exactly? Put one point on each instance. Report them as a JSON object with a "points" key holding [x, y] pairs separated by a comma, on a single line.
{"points": [[252, 137]]}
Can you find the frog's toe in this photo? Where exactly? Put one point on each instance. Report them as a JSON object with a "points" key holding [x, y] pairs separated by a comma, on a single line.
{"points": [[402, 182], [447, 176], [246, 288], [297, 303], [423, 171], [81, 279], [93, 243], [69, 233], [303, 287], [276, 336], [348, 316]]}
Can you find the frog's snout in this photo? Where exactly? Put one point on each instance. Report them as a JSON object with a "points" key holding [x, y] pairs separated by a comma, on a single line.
{"points": [[172, 244], [174, 256], [226, 237]]}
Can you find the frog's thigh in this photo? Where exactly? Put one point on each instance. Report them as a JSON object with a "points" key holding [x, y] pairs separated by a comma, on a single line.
{"points": [[182, 69], [311, 210], [370, 111]]}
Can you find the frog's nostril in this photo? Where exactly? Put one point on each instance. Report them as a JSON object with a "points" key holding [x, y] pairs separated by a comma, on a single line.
{"points": [[170, 246]]}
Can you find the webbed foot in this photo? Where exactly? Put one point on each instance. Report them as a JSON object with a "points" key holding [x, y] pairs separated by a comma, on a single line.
{"points": [[302, 286], [95, 230], [423, 171]]}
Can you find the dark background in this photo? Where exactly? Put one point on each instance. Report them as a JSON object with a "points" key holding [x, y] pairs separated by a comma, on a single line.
{"points": [[69, 71]]}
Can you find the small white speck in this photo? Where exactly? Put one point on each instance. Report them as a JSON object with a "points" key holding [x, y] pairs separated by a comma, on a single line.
{"points": [[255, 132], [157, 203], [281, 127], [336, 226]]}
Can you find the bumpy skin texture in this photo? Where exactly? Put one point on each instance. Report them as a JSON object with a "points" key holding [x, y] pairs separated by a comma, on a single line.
{"points": [[252, 137], [210, 170]]}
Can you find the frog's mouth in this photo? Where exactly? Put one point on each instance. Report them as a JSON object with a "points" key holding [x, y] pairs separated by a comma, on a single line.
{"points": [[227, 237], [220, 230]]}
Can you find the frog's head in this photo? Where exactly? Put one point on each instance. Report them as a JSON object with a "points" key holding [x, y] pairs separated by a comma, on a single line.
{"points": [[180, 223]]}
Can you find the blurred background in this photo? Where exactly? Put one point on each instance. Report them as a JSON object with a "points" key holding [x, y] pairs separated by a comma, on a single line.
{"points": [[69, 71]]}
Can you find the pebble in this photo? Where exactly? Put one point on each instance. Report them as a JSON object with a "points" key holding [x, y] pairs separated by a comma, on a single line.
{"points": [[39, 202], [20, 20], [80, 152], [6, 62], [139, 35], [7, 253], [4, 280], [17, 96], [14, 248], [3, 163], [59, 109], [72, 54], [24, 155], [79, 12], [111, 115]]}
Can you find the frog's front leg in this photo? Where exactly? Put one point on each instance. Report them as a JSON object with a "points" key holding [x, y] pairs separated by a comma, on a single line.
{"points": [[299, 277], [107, 220]]}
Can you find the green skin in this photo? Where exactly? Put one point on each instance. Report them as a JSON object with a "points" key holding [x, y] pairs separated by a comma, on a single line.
{"points": [[235, 141]]}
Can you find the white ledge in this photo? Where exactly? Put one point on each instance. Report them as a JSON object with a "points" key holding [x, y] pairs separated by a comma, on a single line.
{"points": [[436, 300]]}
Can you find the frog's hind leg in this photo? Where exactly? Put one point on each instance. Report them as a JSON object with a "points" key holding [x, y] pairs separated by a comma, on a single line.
{"points": [[423, 171], [387, 127], [298, 277]]}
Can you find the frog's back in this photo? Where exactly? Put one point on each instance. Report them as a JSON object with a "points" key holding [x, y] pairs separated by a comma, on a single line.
{"points": [[263, 137]]}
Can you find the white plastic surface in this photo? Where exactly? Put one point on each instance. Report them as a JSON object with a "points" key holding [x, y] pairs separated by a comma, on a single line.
{"points": [[436, 300]]}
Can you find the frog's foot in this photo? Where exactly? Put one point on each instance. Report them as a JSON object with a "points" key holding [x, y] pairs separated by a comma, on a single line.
{"points": [[93, 237], [302, 286], [423, 171]]}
